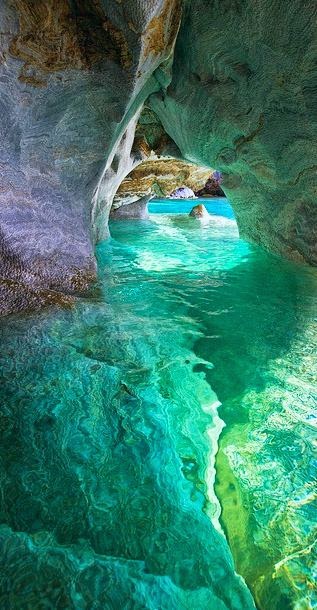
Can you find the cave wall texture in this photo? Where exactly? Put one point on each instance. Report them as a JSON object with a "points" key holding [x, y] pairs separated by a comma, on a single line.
{"points": [[74, 76], [243, 98], [237, 92]]}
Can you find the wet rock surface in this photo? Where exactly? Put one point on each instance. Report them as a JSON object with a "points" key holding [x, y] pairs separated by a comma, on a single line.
{"points": [[243, 99], [72, 85], [199, 211], [73, 78]]}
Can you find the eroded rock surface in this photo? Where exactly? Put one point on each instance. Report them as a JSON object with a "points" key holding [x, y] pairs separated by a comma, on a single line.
{"points": [[136, 209], [199, 211], [243, 99], [239, 94], [183, 192], [73, 78], [160, 177], [212, 187]]}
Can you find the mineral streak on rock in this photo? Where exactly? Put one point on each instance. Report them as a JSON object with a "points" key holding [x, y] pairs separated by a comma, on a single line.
{"points": [[239, 96], [159, 177], [58, 36], [159, 37], [73, 78], [243, 99]]}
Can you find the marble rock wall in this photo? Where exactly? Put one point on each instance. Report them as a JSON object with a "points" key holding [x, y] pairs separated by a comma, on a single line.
{"points": [[137, 209], [243, 99], [238, 93], [159, 177], [73, 76]]}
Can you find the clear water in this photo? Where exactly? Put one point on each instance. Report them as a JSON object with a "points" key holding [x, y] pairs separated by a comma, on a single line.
{"points": [[217, 206], [112, 427]]}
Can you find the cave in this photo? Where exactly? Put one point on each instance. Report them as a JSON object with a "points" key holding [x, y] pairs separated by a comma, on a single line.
{"points": [[158, 373]]}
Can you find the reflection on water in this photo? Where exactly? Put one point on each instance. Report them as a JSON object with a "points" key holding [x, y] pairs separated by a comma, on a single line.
{"points": [[110, 426]]}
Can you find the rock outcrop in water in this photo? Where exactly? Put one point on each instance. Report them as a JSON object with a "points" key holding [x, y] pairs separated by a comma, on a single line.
{"points": [[238, 93], [199, 211]]}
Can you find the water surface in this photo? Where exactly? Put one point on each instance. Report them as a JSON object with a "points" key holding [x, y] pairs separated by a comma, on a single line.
{"points": [[217, 206], [111, 419]]}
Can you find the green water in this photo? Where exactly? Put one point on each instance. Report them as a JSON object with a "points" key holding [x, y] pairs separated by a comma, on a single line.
{"points": [[110, 425]]}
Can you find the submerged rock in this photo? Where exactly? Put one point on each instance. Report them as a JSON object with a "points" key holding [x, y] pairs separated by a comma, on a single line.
{"points": [[199, 211]]}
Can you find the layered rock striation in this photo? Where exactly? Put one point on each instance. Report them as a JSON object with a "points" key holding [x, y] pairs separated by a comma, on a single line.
{"points": [[73, 78], [237, 93], [212, 188], [159, 177], [243, 99]]}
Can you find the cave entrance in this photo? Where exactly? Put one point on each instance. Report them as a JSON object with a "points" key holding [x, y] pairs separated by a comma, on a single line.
{"points": [[170, 186], [172, 216]]}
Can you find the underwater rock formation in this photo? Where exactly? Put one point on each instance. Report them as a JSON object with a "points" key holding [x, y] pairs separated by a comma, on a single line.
{"points": [[74, 78]]}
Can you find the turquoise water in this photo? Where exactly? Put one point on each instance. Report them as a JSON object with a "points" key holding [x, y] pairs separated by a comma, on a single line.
{"points": [[217, 206], [173, 405]]}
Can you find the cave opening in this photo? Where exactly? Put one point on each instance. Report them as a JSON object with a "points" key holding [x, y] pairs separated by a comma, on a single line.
{"points": [[245, 317], [158, 382], [170, 186]]}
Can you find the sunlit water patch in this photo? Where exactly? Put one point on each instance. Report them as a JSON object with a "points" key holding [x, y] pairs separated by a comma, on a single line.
{"points": [[216, 206], [110, 425]]}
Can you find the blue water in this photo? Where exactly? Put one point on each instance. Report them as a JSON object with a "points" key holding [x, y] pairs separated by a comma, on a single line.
{"points": [[159, 436], [218, 206]]}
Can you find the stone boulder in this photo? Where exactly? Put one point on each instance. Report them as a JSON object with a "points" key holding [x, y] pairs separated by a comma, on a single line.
{"points": [[199, 211]]}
